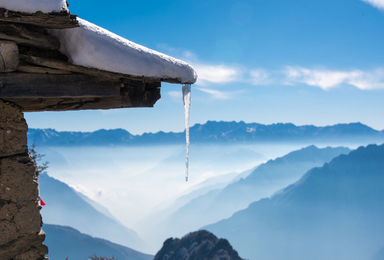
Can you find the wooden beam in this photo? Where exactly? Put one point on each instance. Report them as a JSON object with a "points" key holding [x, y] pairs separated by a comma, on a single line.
{"points": [[25, 85], [9, 56], [28, 35], [56, 20], [51, 63], [132, 94], [41, 70], [44, 53]]}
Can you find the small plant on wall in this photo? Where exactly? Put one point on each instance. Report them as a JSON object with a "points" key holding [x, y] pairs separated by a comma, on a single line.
{"points": [[37, 157]]}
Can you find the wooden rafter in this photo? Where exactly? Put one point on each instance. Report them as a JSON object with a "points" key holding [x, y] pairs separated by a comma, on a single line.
{"points": [[44, 92], [38, 77], [28, 85], [56, 20], [22, 36]]}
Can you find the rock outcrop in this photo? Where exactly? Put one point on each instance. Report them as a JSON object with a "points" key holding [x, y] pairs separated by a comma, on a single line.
{"points": [[21, 237], [199, 245]]}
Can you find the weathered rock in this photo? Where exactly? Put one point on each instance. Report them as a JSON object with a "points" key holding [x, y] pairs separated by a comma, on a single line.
{"points": [[28, 246], [28, 226], [21, 237], [31, 254], [9, 56], [17, 180], [199, 245], [13, 131], [8, 231], [7, 211]]}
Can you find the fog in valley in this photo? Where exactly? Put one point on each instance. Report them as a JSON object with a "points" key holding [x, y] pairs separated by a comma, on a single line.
{"points": [[133, 181], [143, 187]]}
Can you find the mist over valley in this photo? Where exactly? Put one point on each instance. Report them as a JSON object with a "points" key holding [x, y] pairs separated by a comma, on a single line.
{"points": [[142, 187]]}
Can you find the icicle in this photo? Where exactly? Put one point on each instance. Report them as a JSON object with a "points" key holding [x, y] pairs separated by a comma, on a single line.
{"points": [[187, 106]]}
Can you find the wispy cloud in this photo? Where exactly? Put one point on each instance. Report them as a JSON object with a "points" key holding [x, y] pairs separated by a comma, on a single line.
{"points": [[324, 78], [376, 3], [259, 77], [207, 73], [327, 79], [175, 94], [216, 74], [212, 75], [217, 94], [369, 80]]}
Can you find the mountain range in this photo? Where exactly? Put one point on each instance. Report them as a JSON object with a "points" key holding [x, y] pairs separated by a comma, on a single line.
{"points": [[68, 243], [213, 132], [190, 212], [66, 207], [333, 212]]}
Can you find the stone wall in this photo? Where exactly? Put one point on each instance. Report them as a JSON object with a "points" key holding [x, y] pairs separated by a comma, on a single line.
{"points": [[21, 237]]}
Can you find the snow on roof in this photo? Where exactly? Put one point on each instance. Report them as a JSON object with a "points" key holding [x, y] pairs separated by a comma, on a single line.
{"points": [[92, 46], [33, 6]]}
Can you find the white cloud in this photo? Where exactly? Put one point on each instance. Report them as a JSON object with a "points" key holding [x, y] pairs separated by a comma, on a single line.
{"points": [[216, 94], [221, 74], [207, 73], [216, 74], [324, 79], [175, 94], [327, 79], [376, 3], [369, 80], [259, 77]]}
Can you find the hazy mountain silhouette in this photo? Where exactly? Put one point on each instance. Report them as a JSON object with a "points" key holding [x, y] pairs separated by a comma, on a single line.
{"points": [[270, 177], [218, 204], [66, 207], [164, 211], [199, 245], [66, 242], [333, 212], [213, 132]]}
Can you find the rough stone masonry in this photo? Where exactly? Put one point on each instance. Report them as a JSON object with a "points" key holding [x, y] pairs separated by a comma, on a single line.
{"points": [[21, 237]]}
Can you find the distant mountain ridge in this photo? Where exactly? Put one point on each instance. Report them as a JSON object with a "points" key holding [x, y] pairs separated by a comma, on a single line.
{"points": [[221, 203], [67, 208], [66, 242], [211, 132], [333, 212]]}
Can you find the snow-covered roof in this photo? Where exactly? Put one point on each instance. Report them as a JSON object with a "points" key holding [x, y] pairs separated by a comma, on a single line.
{"points": [[92, 46], [33, 6]]}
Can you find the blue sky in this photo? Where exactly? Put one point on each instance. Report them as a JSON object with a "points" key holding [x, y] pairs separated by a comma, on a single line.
{"points": [[307, 62]]}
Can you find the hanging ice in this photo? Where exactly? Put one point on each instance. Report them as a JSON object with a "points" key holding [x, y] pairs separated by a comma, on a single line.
{"points": [[187, 106]]}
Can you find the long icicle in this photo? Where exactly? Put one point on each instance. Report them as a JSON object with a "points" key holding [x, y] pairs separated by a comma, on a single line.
{"points": [[187, 106]]}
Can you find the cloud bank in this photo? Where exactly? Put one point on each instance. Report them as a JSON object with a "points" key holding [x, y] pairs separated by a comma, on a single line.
{"points": [[326, 79], [217, 94], [211, 75], [216, 74], [376, 3]]}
